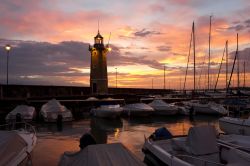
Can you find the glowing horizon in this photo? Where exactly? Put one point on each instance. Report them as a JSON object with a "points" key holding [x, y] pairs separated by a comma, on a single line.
{"points": [[50, 40]]}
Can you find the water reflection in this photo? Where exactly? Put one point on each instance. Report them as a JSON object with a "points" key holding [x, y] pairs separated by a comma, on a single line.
{"points": [[128, 131], [101, 128]]}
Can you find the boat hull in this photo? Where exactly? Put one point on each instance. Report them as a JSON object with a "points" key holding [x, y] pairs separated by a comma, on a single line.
{"points": [[235, 126]]}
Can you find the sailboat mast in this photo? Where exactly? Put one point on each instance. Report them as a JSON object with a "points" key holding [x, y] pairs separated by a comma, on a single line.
{"points": [[226, 63], [194, 52], [244, 74], [164, 77], [238, 61], [219, 69], [190, 45], [209, 41], [235, 58]]}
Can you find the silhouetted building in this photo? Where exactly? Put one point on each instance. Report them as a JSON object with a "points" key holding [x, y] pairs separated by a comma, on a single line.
{"points": [[98, 67]]}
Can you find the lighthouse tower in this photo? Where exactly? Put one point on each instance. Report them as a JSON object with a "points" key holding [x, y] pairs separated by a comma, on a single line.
{"points": [[98, 66]]}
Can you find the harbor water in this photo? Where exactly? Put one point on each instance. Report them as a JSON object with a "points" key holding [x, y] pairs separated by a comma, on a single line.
{"points": [[54, 140]]}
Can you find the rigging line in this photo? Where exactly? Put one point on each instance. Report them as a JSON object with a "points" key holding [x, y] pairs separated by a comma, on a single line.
{"points": [[220, 68], [190, 45]]}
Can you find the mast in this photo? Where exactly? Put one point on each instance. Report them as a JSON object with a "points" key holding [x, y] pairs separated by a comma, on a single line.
{"points": [[226, 63], [238, 68], [164, 77], [219, 69], [244, 85], [236, 54], [209, 41], [194, 52], [190, 45]]}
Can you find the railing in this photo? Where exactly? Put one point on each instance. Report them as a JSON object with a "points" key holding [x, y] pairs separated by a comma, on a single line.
{"points": [[18, 126]]}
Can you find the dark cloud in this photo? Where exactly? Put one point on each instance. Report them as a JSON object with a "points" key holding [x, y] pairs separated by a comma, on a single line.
{"points": [[33, 62], [164, 48], [238, 27], [145, 33], [247, 23]]}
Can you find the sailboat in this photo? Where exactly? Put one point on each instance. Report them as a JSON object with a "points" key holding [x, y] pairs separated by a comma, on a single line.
{"points": [[206, 107]]}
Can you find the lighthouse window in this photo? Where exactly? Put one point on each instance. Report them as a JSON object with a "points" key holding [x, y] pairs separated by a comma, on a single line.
{"points": [[98, 40]]}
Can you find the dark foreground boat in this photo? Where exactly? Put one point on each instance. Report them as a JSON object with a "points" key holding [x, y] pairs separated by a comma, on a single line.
{"points": [[200, 147], [92, 154]]}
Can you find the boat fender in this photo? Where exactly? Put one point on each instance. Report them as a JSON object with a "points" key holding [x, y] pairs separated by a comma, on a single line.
{"points": [[86, 139], [162, 133]]}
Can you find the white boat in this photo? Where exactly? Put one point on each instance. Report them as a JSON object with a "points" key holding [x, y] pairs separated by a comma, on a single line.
{"points": [[241, 142], [114, 154], [27, 113], [138, 109], [107, 111], [52, 109], [92, 99], [17, 144], [163, 108], [235, 125], [211, 108], [199, 147], [183, 109]]}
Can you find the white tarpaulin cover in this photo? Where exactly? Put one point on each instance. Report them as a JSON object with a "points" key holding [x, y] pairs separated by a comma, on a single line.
{"points": [[27, 112], [11, 145], [101, 155], [138, 107]]}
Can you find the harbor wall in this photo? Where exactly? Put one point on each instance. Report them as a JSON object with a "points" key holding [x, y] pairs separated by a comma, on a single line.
{"points": [[43, 91]]}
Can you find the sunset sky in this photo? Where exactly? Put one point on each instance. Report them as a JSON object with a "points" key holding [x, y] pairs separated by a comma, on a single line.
{"points": [[50, 40]]}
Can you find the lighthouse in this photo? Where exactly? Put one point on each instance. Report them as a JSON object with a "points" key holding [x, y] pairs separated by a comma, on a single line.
{"points": [[98, 66]]}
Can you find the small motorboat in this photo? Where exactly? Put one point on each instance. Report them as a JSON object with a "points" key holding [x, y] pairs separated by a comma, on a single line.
{"points": [[163, 108], [53, 110], [27, 113], [235, 125], [107, 111], [209, 108], [137, 109], [16, 143], [184, 109], [199, 147], [99, 155]]}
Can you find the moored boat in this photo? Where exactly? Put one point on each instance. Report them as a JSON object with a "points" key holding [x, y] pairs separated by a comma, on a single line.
{"points": [[26, 112], [199, 147], [184, 109], [163, 108], [209, 108], [52, 110], [137, 109], [235, 125], [101, 155], [107, 111], [16, 143]]}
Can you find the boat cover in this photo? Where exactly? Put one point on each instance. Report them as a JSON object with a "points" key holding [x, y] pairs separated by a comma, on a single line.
{"points": [[138, 107], [158, 102], [53, 106], [101, 155], [201, 140], [11, 145], [24, 110]]}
